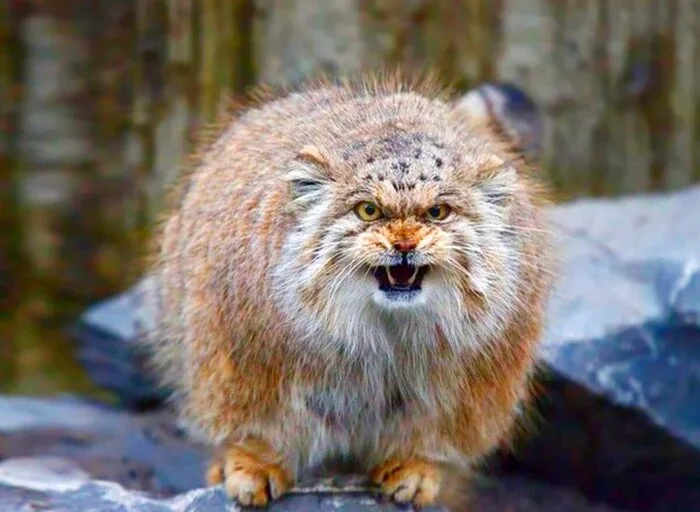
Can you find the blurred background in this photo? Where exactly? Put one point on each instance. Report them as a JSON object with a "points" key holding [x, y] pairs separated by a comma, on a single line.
{"points": [[99, 100]]}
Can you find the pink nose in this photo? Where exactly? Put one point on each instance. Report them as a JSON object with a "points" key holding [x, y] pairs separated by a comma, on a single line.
{"points": [[404, 245]]}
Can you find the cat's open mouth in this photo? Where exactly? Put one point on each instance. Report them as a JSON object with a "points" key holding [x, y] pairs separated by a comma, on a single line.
{"points": [[397, 278]]}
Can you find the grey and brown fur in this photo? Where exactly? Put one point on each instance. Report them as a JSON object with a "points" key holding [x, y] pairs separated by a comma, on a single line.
{"points": [[280, 347]]}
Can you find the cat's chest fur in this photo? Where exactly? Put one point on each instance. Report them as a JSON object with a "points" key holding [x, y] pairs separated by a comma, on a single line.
{"points": [[347, 407], [366, 396]]}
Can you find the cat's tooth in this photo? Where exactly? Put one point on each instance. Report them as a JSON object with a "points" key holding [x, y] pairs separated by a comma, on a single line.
{"points": [[413, 277], [392, 281]]}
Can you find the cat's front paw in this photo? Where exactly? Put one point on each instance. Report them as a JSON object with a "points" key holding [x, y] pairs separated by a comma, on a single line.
{"points": [[411, 480], [248, 478]]}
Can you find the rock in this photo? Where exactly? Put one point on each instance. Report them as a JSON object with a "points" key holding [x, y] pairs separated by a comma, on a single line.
{"points": [[144, 451], [74, 455], [621, 420], [28, 481], [625, 320], [621, 357], [66, 454], [110, 351]]}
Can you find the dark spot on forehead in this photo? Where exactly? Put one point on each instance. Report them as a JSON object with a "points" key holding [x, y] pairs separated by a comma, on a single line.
{"points": [[436, 178], [359, 144], [398, 154], [396, 142], [423, 177], [353, 148]]}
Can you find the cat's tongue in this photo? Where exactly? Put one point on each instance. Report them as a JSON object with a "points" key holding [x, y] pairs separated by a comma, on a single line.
{"points": [[402, 274]]}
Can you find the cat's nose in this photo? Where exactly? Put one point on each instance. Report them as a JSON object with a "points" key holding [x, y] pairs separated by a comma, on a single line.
{"points": [[404, 245]]}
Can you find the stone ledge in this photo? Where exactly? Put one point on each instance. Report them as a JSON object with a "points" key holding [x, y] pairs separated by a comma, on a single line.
{"points": [[621, 355], [66, 454]]}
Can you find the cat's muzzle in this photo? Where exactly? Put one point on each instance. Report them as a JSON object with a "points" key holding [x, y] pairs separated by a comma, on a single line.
{"points": [[400, 278]]}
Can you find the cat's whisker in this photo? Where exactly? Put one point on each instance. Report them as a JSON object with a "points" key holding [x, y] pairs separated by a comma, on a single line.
{"points": [[507, 227], [347, 271]]}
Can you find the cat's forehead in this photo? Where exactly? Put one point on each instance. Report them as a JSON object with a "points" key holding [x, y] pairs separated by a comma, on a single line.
{"points": [[402, 160]]}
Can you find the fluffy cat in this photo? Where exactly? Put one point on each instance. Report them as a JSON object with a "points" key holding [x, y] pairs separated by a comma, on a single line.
{"points": [[355, 269]]}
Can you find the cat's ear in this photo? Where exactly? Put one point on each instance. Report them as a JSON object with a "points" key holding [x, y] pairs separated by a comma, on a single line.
{"points": [[475, 106], [307, 176], [507, 110]]}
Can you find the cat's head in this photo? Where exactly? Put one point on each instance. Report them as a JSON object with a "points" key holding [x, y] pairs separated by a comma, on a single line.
{"points": [[421, 216]]}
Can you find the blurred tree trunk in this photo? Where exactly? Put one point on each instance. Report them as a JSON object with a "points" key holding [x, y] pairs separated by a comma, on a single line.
{"points": [[114, 90], [456, 38], [12, 273], [57, 152], [617, 82], [297, 38]]}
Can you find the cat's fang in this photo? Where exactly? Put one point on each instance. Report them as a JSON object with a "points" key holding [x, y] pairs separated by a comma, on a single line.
{"points": [[413, 277], [392, 281]]}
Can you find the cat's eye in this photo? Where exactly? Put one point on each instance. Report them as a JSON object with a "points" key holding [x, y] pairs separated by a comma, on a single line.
{"points": [[438, 212], [368, 211]]}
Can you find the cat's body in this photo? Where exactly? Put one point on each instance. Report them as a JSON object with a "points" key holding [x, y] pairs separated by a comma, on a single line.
{"points": [[354, 270]]}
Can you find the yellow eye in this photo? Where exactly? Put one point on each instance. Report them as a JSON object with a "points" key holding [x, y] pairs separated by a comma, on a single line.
{"points": [[438, 212], [368, 211]]}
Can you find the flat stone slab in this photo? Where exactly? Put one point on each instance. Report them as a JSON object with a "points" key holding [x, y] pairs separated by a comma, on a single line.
{"points": [[625, 318], [67, 454], [58, 485], [621, 417], [70, 454]]}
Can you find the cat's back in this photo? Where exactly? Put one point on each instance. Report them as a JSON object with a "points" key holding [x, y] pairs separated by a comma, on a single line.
{"points": [[252, 147]]}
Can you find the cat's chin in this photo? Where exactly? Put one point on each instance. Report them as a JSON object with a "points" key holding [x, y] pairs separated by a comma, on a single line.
{"points": [[399, 286], [399, 298]]}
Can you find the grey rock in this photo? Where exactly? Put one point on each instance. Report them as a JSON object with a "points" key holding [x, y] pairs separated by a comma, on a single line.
{"points": [[624, 318], [146, 451], [68, 454], [110, 350], [621, 420], [645, 250], [58, 485], [621, 358], [51, 462], [19, 413]]}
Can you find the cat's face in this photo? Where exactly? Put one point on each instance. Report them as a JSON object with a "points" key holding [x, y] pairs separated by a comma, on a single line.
{"points": [[412, 226]]}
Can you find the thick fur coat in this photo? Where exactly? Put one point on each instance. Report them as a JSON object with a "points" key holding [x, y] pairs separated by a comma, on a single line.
{"points": [[290, 328]]}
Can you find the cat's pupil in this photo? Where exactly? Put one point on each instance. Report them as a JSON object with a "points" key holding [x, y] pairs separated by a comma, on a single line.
{"points": [[434, 211], [369, 209]]}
